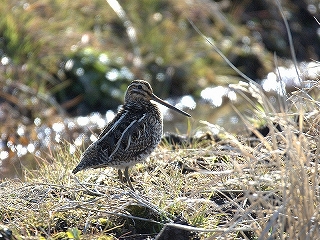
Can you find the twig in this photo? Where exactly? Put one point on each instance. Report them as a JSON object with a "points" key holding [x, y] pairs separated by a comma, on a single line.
{"points": [[221, 54], [293, 54], [131, 32]]}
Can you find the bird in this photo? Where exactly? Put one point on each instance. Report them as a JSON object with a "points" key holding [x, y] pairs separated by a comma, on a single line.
{"points": [[131, 136]]}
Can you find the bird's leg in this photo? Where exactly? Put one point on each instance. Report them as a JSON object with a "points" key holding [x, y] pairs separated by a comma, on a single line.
{"points": [[126, 174], [120, 175]]}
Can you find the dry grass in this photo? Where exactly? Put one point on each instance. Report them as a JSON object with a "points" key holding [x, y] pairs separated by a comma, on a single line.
{"points": [[231, 189], [228, 189]]}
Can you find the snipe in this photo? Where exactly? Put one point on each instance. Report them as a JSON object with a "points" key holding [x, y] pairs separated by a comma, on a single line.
{"points": [[131, 136]]}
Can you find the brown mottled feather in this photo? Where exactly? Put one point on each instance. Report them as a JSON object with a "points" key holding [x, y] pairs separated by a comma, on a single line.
{"points": [[132, 135]]}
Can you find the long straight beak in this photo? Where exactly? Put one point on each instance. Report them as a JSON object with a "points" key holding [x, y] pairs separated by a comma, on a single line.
{"points": [[159, 100]]}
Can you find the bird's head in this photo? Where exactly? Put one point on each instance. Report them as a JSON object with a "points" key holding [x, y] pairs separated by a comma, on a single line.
{"points": [[140, 91]]}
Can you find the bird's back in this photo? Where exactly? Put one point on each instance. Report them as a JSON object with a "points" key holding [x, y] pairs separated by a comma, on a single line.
{"points": [[129, 138]]}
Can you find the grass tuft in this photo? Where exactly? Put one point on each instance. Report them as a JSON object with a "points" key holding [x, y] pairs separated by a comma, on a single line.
{"points": [[227, 188]]}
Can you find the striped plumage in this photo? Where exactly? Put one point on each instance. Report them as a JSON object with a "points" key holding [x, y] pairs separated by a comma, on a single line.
{"points": [[131, 136]]}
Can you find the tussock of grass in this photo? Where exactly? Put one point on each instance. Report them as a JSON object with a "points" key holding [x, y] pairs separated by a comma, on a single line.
{"points": [[228, 189]]}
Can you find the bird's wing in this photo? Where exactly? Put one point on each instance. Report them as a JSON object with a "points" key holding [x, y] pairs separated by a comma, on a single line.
{"points": [[130, 136], [111, 124], [125, 135]]}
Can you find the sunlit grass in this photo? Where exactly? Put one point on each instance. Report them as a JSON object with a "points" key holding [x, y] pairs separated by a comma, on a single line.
{"points": [[216, 186], [226, 188]]}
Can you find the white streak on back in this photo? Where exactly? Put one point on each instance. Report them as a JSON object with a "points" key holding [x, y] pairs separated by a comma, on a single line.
{"points": [[113, 127], [122, 135], [120, 139]]}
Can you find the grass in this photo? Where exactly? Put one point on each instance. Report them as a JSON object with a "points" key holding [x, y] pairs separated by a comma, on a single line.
{"points": [[229, 189], [234, 188]]}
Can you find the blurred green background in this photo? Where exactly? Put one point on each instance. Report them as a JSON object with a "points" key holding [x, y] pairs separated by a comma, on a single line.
{"points": [[80, 57], [68, 58]]}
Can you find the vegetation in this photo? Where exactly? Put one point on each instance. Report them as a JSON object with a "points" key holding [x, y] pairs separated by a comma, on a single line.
{"points": [[207, 185], [245, 189]]}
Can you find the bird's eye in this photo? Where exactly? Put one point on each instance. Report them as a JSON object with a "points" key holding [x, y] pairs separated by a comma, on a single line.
{"points": [[139, 87]]}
